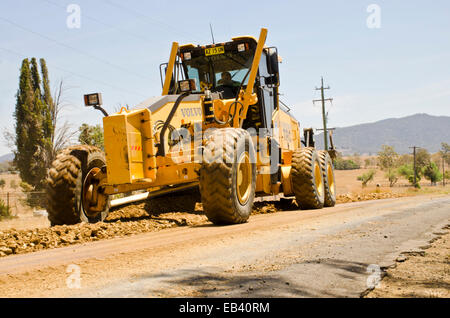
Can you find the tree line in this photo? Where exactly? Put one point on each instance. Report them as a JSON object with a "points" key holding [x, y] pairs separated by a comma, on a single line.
{"points": [[394, 165], [426, 165], [38, 131]]}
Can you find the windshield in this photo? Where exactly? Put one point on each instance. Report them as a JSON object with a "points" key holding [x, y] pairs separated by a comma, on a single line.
{"points": [[219, 71]]}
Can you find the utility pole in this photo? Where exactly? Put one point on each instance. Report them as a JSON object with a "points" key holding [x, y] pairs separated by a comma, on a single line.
{"points": [[443, 170], [324, 114], [414, 164]]}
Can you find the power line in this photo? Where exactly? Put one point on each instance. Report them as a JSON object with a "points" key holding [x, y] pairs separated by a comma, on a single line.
{"points": [[146, 19], [78, 75], [73, 48], [147, 40]]}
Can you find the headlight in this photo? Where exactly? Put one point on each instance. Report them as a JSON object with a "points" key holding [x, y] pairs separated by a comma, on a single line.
{"points": [[187, 85], [241, 47], [187, 56], [93, 99]]}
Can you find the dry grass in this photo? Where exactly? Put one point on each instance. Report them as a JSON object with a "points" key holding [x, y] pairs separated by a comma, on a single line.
{"points": [[18, 208], [347, 183]]}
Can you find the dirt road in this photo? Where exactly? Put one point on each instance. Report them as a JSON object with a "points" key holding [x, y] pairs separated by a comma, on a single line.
{"points": [[334, 252]]}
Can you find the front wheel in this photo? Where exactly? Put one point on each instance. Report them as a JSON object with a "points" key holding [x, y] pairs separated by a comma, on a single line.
{"points": [[228, 176], [69, 184]]}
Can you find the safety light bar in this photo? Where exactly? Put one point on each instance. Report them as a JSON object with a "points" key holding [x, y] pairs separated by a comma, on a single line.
{"points": [[93, 99]]}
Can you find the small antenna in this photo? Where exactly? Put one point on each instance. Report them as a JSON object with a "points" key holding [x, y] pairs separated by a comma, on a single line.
{"points": [[212, 35]]}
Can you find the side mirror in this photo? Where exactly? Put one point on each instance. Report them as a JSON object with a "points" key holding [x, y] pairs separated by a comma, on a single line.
{"points": [[272, 67], [162, 72], [272, 61], [271, 80]]}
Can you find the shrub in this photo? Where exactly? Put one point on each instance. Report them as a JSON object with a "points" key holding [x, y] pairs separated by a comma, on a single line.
{"points": [[367, 177], [5, 211], [432, 173], [447, 175], [392, 176], [342, 164], [26, 187], [387, 157], [407, 171]]}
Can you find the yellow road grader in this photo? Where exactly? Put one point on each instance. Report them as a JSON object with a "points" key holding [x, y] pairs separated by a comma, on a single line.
{"points": [[219, 129]]}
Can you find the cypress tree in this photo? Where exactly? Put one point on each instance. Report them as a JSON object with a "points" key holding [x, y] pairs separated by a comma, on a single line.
{"points": [[35, 78], [38, 163], [48, 114], [39, 159], [23, 115], [34, 127]]}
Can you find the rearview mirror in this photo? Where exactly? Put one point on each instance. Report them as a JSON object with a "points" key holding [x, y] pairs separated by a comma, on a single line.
{"points": [[271, 80], [272, 61]]}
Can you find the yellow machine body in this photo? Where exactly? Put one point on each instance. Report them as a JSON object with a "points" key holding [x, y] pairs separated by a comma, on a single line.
{"points": [[132, 137]]}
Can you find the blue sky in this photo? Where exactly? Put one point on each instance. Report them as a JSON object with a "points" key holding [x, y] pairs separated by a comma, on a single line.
{"points": [[399, 69]]}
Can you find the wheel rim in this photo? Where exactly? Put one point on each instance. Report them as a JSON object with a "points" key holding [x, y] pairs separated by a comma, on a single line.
{"points": [[90, 193], [318, 178], [330, 177], [243, 178]]}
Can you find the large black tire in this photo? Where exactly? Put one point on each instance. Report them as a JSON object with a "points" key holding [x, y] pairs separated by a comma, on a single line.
{"points": [[65, 184], [307, 179], [224, 200], [328, 178]]}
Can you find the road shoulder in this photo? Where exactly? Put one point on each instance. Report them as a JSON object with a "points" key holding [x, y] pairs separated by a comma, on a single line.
{"points": [[424, 274]]}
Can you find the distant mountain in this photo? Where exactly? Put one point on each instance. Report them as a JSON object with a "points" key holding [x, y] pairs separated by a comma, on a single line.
{"points": [[417, 130], [7, 157]]}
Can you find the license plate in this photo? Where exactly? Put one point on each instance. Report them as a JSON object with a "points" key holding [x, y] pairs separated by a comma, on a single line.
{"points": [[214, 50]]}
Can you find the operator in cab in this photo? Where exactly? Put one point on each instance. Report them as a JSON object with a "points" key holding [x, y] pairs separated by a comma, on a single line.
{"points": [[227, 85]]}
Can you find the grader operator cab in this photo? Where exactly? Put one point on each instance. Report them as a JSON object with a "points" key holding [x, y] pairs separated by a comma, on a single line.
{"points": [[219, 128]]}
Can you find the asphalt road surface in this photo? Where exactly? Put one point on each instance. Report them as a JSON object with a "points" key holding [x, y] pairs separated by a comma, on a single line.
{"points": [[334, 252]]}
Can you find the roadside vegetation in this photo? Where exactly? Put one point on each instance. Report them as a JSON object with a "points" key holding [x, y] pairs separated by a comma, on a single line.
{"points": [[396, 167], [346, 164], [367, 177], [39, 132], [91, 135], [5, 211]]}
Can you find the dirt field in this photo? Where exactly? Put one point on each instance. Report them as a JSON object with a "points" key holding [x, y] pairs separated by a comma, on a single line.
{"points": [[276, 254], [347, 182], [27, 233]]}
